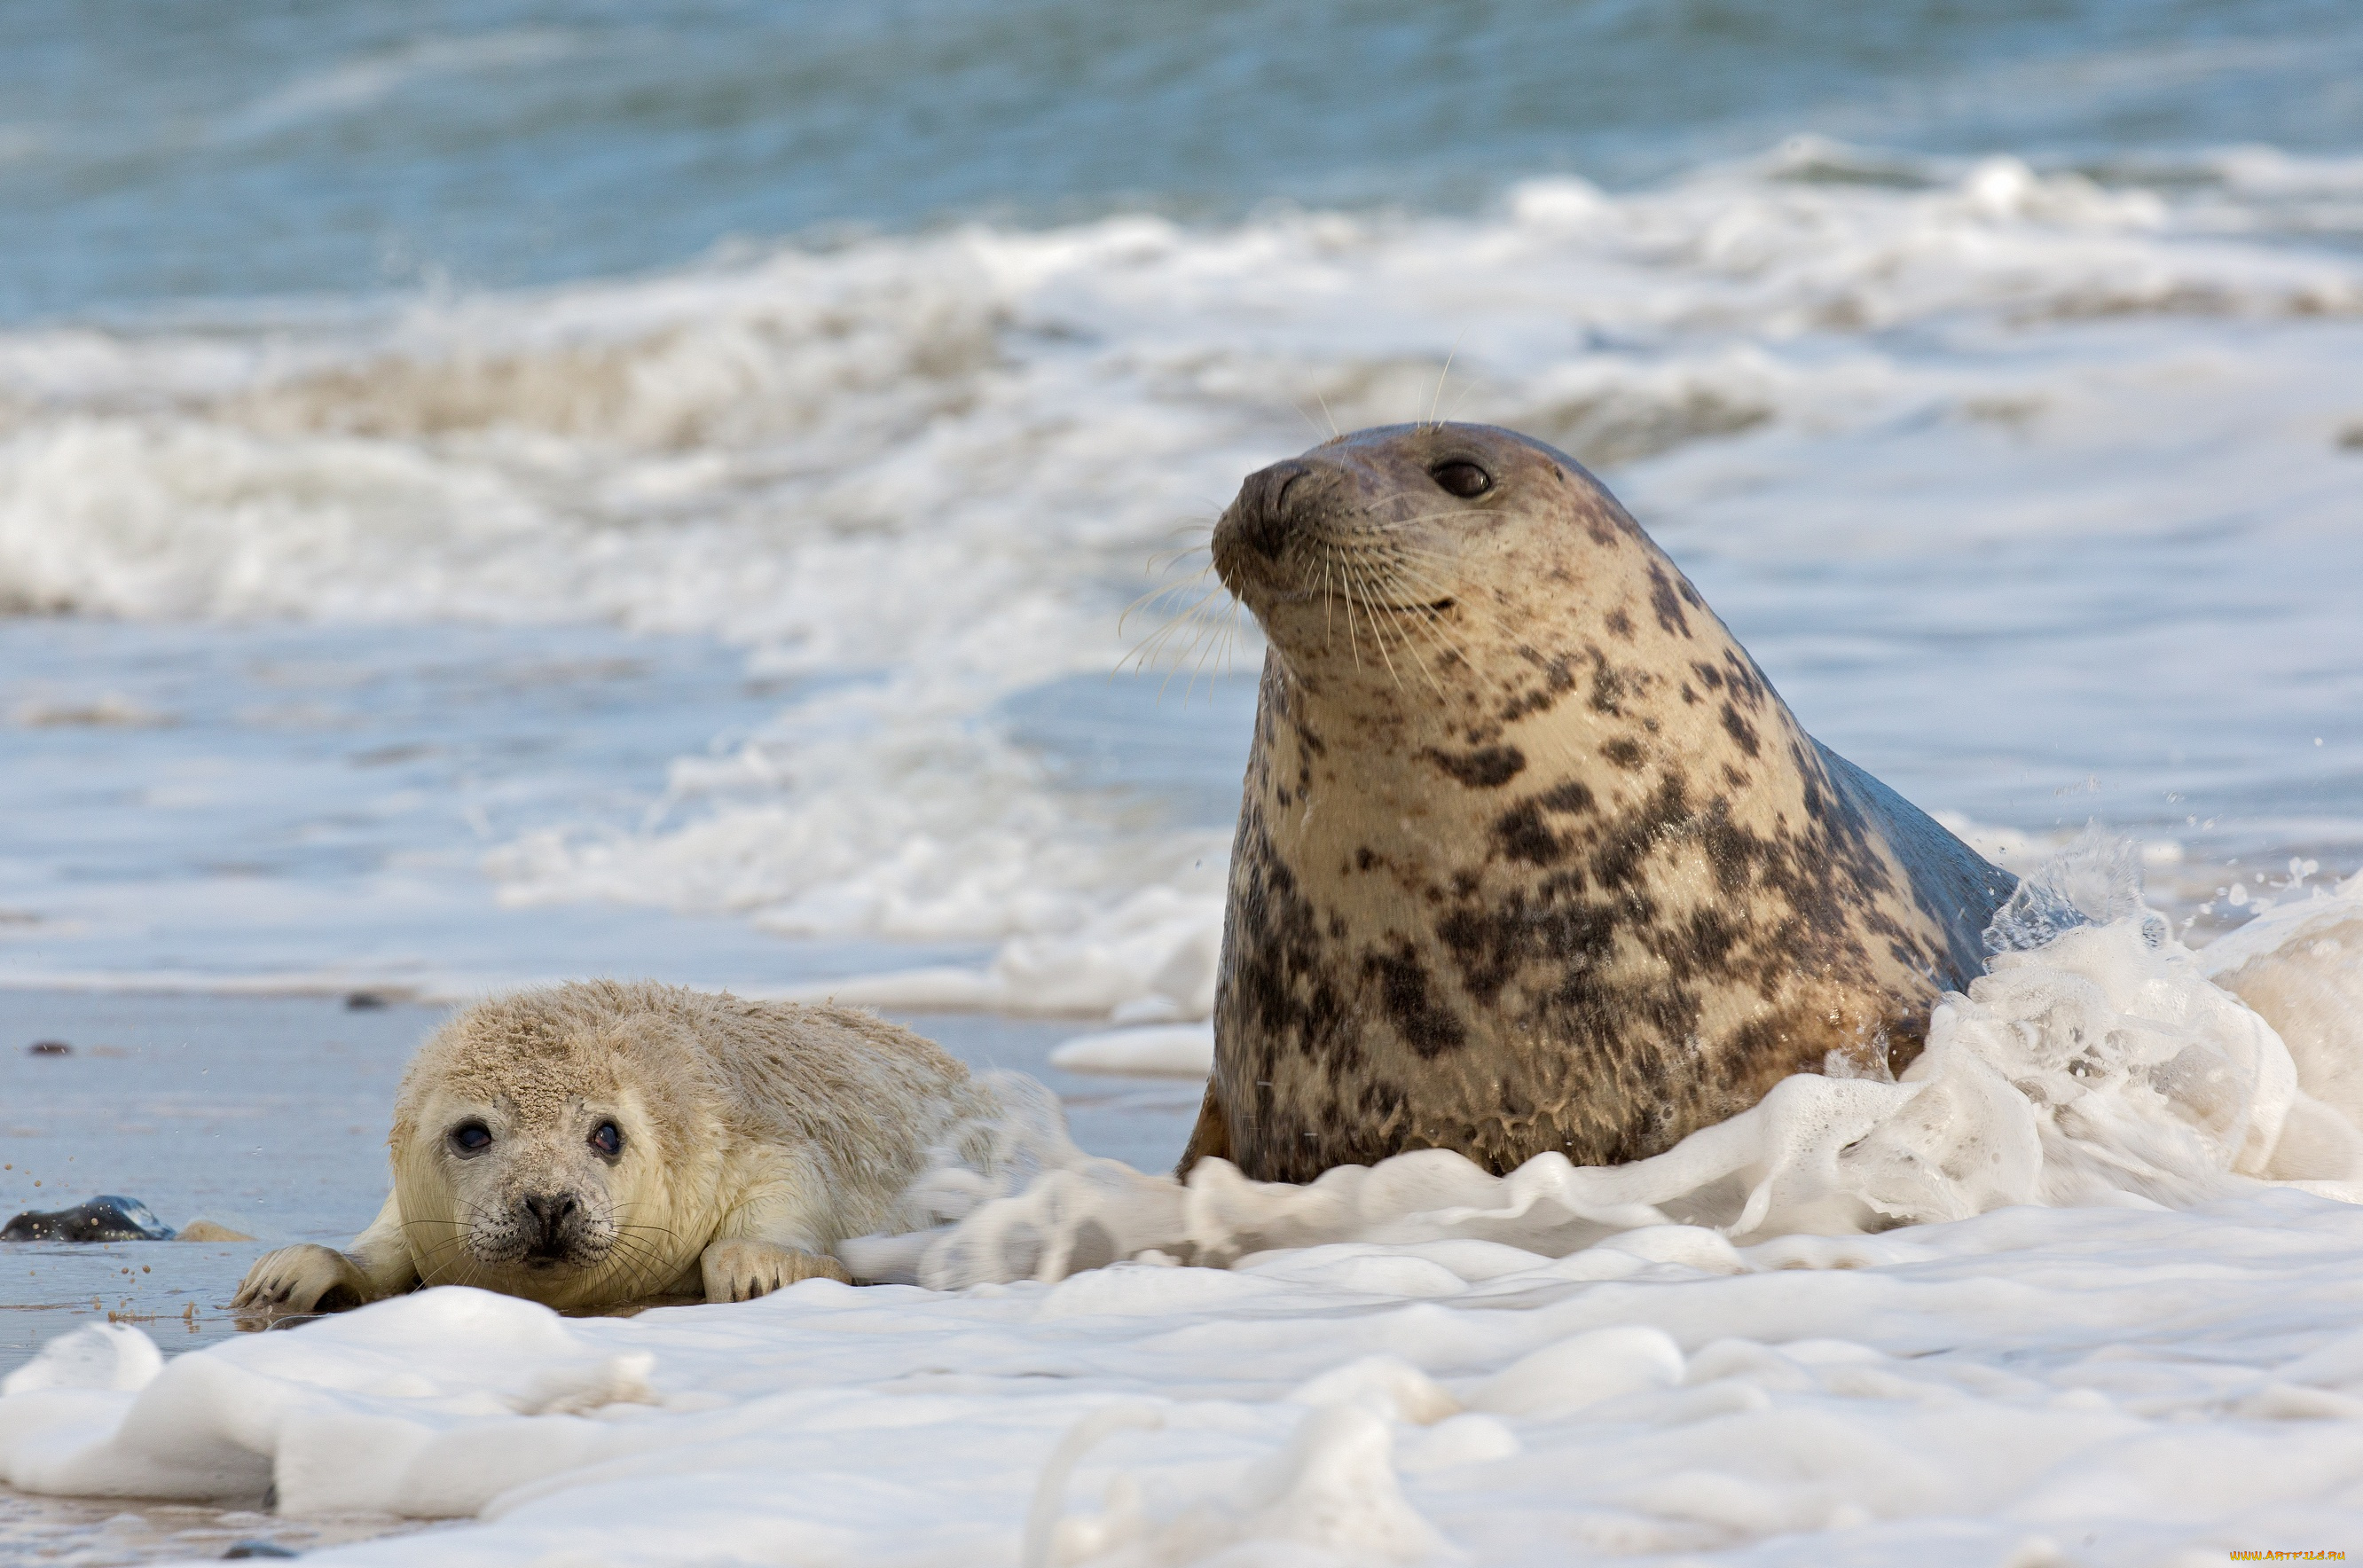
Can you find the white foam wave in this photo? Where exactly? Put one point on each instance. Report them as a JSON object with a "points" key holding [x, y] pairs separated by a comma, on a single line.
{"points": [[2101, 1066], [2055, 1284], [913, 476], [1171, 1050]]}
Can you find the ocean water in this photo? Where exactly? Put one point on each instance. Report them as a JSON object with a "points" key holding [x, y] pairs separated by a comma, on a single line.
{"points": [[709, 490], [675, 478]]}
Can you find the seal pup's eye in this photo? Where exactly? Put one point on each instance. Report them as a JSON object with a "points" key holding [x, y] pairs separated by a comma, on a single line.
{"points": [[608, 1139], [1462, 478], [469, 1138]]}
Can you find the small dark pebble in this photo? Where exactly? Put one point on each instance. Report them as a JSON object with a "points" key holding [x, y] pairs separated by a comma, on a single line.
{"points": [[364, 1001], [258, 1548], [49, 1048], [103, 1219]]}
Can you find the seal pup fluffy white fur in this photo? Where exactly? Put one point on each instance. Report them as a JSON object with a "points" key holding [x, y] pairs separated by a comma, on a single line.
{"points": [[594, 1143]]}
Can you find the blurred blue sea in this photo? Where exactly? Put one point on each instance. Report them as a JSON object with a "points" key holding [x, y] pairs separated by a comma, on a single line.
{"points": [[159, 151], [796, 396]]}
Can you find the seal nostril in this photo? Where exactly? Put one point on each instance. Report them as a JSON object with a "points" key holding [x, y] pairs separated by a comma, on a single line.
{"points": [[1263, 506], [549, 1214]]}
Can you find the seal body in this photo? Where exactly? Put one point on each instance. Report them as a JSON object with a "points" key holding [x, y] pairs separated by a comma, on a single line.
{"points": [[596, 1144], [1530, 855]]}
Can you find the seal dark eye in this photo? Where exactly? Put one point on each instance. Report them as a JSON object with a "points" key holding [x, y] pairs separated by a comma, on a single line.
{"points": [[1462, 478], [470, 1138], [608, 1139]]}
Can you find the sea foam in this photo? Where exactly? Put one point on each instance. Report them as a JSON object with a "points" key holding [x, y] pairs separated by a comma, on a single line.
{"points": [[916, 477], [2101, 1065], [2066, 1281]]}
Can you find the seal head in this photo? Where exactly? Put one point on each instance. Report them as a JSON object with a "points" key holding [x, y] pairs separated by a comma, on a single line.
{"points": [[1530, 855]]}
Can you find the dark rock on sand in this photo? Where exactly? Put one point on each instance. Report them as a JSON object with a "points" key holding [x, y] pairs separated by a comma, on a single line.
{"points": [[103, 1219]]}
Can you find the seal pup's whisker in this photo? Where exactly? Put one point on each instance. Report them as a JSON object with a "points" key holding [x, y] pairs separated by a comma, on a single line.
{"points": [[639, 1264], [431, 1262]]}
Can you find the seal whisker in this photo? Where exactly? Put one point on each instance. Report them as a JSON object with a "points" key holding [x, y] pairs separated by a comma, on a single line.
{"points": [[1378, 635], [1217, 646], [1205, 622], [1178, 618], [639, 1261], [1167, 590], [1371, 612], [430, 1269], [1437, 396], [1353, 637], [1199, 621], [1397, 616], [1403, 620], [1428, 615], [1381, 613], [1188, 606]]}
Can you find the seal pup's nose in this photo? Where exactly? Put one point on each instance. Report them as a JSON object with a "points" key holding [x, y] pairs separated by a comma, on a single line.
{"points": [[549, 1212], [1264, 520]]}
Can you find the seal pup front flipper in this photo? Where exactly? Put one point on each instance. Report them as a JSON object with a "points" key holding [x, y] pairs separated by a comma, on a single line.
{"points": [[307, 1278], [743, 1267]]}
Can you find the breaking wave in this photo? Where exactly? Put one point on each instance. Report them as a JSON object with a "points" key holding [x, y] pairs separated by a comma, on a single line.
{"points": [[2104, 1064], [913, 477]]}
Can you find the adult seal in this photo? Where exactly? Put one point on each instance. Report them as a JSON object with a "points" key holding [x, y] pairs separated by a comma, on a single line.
{"points": [[1530, 855], [597, 1144]]}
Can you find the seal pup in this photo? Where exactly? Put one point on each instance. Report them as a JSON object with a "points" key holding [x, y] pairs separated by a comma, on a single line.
{"points": [[1530, 855], [600, 1143]]}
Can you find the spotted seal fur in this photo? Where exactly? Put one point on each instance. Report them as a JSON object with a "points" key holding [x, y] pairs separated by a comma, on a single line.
{"points": [[1531, 857]]}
